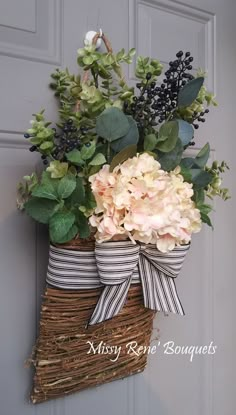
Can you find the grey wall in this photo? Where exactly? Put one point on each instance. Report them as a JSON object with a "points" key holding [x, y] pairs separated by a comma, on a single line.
{"points": [[35, 37]]}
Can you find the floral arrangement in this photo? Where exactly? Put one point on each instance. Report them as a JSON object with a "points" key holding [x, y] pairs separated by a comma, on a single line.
{"points": [[141, 201], [115, 162]]}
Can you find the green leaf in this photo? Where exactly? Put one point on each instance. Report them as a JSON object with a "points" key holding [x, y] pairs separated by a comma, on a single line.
{"points": [[112, 124], [199, 196], [132, 52], [35, 140], [93, 170], [57, 169], [98, 160], [90, 202], [186, 132], [46, 178], [168, 136], [120, 54], [189, 92], [204, 208], [200, 178], [83, 226], [78, 195], [123, 155], [187, 162], [186, 173], [87, 151], [150, 141], [203, 156], [88, 60], [40, 210], [205, 218], [73, 231], [47, 191], [60, 224], [66, 186], [74, 157], [128, 139], [45, 133], [46, 145], [172, 159]]}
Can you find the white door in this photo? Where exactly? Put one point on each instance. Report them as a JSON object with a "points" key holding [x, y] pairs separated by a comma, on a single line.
{"points": [[35, 37]]}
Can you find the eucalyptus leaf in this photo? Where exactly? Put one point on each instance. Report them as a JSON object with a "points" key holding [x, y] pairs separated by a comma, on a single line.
{"points": [[39, 209], [172, 159], [204, 208], [168, 136], [200, 178], [128, 139], [123, 155], [205, 219], [199, 195], [186, 132], [189, 92], [203, 156], [187, 162], [112, 124], [186, 173], [60, 224], [150, 141]]}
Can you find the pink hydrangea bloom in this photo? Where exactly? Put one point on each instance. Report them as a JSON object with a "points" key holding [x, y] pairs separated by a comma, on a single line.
{"points": [[141, 201]]}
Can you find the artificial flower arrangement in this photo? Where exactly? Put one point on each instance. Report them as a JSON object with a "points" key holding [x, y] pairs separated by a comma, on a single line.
{"points": [[116, 171], [116, 159]]}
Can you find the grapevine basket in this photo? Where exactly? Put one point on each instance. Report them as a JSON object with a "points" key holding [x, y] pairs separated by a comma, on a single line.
{"points": [[62, 357]]}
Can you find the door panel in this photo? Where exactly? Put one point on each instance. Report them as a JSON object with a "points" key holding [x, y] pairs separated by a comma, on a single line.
{"points": [[37, 36]]}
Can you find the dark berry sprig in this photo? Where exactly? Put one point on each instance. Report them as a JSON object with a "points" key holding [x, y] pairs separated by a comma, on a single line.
{"points": [[64, 140], [68, 139], [176, 77], [156, 102], [199, 117]]}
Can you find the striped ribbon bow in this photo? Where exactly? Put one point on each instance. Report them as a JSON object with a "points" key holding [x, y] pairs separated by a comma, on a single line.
{"points": [[120, 263]]}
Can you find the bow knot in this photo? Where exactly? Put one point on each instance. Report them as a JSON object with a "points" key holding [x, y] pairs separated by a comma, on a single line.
{"points": [[121, 263]]}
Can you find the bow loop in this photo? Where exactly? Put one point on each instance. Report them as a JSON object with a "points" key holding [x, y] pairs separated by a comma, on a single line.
{"points": [[169, 263], [118, 263]]}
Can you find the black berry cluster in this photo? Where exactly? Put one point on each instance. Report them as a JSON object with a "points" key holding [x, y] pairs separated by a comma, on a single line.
{"points": [[199, 118], [65, 140], [155, 102]]}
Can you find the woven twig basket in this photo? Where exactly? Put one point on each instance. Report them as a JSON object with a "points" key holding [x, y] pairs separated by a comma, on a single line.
{"points": [[64, 357]]}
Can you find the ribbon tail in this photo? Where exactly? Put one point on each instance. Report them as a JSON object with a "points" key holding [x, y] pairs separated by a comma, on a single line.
{"points": [[110, 303], [159, 290]]}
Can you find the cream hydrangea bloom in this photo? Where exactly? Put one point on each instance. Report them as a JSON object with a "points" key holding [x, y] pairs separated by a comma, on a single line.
{"points": [[141, 201]]}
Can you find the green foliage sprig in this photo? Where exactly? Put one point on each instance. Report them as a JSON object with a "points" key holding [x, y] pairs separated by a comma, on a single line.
{"points": [[104, 120]]}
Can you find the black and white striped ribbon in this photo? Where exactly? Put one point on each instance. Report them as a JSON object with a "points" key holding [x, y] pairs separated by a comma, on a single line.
{"points": [[116, 265]]}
